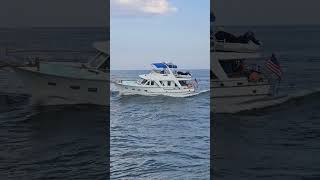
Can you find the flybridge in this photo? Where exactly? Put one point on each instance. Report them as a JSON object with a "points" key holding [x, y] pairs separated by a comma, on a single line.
{"points": [[164, 65]]}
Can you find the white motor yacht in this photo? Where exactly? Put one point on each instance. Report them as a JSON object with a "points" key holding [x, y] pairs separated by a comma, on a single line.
{"points": [[51, 83], [239, 77], [241, 81], [164, 79]]}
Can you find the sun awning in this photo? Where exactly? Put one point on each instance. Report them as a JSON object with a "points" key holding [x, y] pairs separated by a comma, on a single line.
{"points": [[164, 65]]}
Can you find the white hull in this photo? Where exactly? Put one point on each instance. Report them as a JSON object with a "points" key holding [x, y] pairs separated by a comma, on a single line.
{"points": [[53, 90], [239, 91], [154, 91], [231, 98]]}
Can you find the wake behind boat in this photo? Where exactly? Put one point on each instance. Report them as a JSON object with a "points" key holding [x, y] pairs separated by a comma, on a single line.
{"points": [[164, 79]]}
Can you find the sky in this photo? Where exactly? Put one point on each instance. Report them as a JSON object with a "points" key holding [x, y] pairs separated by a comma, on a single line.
{"points": [[54, 13], [267, 12], [148, 31], [73, 13]]}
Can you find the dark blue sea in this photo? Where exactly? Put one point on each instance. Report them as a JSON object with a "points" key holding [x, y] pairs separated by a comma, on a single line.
{"points": [[280, 142], [50, 142], [160, 137]]}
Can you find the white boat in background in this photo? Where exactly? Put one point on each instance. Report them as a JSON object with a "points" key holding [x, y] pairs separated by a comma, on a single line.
{"points": [[52, 83], [164, 79]]}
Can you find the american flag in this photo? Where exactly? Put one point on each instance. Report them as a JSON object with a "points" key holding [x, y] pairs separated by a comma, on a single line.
{"points": [[195, 83], [274, 66]]}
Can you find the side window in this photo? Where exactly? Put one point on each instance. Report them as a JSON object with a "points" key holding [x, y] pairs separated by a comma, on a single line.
{"points": [[92, 89], [161, 82], [148, 83], [52, 84], [144, 81], [152, 83], [75, 87], [169, 83]]}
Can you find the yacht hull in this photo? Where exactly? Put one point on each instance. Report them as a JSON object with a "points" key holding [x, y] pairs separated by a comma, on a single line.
{"points": [[48, 89], [226, 99], [153, 91]]}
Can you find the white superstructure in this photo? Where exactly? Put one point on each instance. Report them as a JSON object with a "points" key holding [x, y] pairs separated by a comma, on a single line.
{"points": [[164, 79]]}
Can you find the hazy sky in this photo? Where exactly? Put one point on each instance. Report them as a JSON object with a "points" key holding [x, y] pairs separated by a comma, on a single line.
{"points": [[144, 31], [66, 13], [267, 12]]}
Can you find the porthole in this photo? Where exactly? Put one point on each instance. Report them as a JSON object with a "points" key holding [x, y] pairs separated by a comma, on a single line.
{"points": [[92, 89], [75, 87], [52, 84]]}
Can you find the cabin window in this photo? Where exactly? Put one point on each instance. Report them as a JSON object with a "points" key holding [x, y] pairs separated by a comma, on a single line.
{"points": [[52, 84], [232, 67], [143, 81], [212, 75], [92, 89], [169, 83], [75, 87], [152, 83], [175, 84], [98, 61], [183, 83], [148, 83], [104, 66]]}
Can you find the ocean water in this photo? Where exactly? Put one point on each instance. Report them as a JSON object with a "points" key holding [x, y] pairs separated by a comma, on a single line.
{"points": [[51, 142], [283, 141], [160, 137]]}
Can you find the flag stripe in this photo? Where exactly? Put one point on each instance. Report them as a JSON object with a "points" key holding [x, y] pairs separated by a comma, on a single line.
{"points": [[274, 67], [277, 71]]}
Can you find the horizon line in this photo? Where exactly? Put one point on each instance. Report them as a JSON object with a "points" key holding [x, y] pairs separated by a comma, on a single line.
{"points": [[266, 25], [149, 69]]}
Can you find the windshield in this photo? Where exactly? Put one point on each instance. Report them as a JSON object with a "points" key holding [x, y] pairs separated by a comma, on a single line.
{"points": [[98, 60]]}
